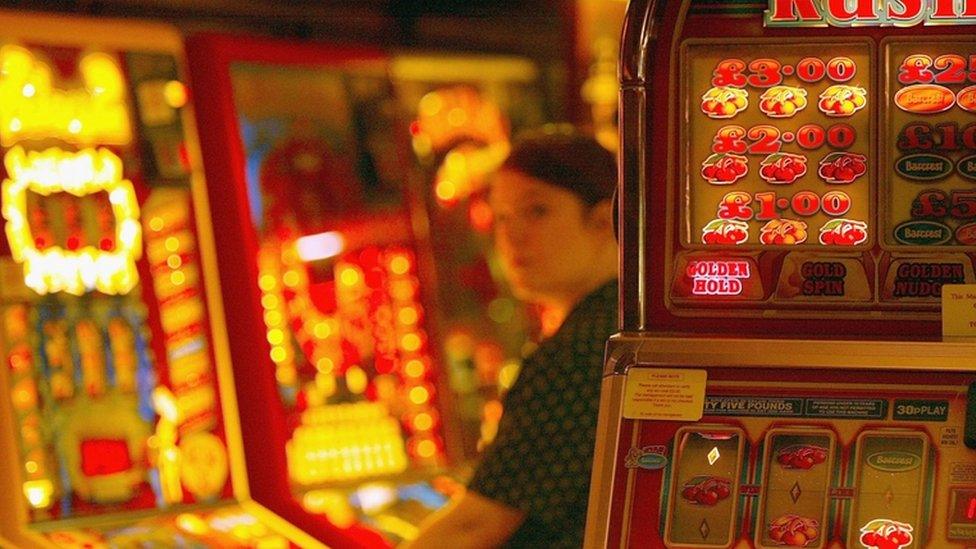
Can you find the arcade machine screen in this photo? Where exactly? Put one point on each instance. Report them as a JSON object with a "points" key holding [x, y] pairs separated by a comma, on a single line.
{"points": [[337, 283], [340, 277], [119, 427], [812, 201]]}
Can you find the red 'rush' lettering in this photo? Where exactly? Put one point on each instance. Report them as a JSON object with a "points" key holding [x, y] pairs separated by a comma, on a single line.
{"points": [[846, 13]]}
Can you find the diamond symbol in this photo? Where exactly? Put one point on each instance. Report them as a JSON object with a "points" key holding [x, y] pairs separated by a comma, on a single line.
{"points": [[703, 528], [795, 492], [713, 455]]}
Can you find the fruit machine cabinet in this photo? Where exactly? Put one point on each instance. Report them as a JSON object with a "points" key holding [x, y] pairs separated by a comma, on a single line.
{"points": [[118, 420], [350, 424], [796, 198], [464, 111]]}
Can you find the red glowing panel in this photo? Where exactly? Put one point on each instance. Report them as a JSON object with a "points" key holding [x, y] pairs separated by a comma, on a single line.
{"points": [[964, 506], [101, 456], [718, 277]]}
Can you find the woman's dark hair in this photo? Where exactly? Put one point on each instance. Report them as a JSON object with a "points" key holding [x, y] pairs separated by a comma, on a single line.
{"points": [[566, 159]]}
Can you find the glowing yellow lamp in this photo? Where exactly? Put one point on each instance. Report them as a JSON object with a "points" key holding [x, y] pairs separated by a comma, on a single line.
{"points": [[85, 172], [32, 108], [39, 493]]}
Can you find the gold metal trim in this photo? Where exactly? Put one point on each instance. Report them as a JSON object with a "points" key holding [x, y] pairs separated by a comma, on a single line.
{"points": [[215, 305], [628, 510], [677, 352], [78, 32], [282, 526]]}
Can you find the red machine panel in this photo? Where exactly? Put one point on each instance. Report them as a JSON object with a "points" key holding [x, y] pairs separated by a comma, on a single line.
{"points": [[795, 196]]}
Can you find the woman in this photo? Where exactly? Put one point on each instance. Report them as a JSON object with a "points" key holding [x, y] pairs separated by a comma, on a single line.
{"points": [[553, 229]]}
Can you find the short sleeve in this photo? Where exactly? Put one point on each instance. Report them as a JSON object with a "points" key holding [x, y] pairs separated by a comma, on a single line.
{"points": [[541, 458]]}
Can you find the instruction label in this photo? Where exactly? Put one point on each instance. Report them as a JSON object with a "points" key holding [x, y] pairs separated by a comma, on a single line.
{"points": [[959, 310], [673, 394]]}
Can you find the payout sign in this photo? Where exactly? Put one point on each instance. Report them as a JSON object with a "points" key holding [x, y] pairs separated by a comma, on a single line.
{"points": [[851, 13]]}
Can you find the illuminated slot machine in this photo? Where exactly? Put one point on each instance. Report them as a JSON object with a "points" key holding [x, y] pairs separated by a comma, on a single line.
{"points": [[797, 207], [118, 422], [329, 299], [464, 111]]}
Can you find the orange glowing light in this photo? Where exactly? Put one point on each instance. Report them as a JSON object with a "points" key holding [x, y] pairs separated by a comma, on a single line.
{"points": [[400, 265], [175, 94], [350, 276], [493, 411], [192, 523], [286, 376], [423, 422], [426, 448], [19, 362], [446, 190], [291, 278], [419, 395], [402, 290], [325, 365], [480, 215], [356, 380], [415, 368], [279, 354], [411, 342], [172, 244], [408, 316], [272, 318], [322, 330], [269, 301], [267, 283], [457, 117], [431, 104], [276, 336]]}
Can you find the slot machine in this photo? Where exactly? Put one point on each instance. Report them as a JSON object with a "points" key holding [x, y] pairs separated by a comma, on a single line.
{"points": [[797, 207], [118, 419], [332, 297]]}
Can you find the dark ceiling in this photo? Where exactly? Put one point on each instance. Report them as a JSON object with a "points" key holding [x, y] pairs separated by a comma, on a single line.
{"points": [[535, 27]]}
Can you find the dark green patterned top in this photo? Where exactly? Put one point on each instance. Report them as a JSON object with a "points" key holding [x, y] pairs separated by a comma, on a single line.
{"points": [[540, 460]]}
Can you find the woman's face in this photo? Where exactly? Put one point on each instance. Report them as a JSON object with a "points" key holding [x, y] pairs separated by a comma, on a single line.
{"points": [[546, 237]]}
